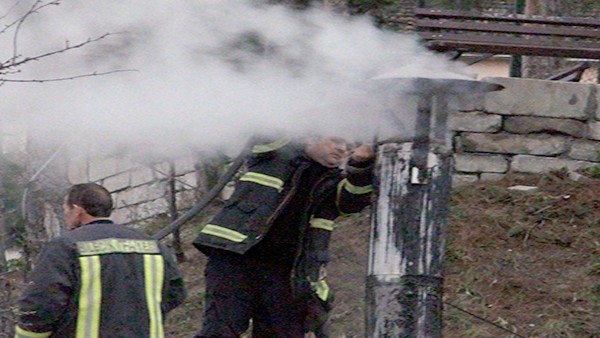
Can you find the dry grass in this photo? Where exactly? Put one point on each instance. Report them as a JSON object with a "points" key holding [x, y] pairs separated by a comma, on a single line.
{"points": [[527, 261]]}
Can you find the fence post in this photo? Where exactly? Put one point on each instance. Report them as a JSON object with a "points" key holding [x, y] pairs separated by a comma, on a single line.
{"points": [[413, 180]]}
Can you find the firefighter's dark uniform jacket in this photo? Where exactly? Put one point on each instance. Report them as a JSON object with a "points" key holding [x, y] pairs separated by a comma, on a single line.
{"points": [[261, 193], [100, 280]]}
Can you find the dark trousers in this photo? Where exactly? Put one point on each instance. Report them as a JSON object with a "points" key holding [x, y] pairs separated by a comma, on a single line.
{"points": [[240, 288]]}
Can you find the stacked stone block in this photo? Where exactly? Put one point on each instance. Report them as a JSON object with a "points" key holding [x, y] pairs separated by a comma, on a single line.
{"points": [[532, 126]]}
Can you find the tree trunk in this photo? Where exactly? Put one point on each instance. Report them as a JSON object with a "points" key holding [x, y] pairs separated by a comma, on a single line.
{"points": [[173, 213], [5, 290]]}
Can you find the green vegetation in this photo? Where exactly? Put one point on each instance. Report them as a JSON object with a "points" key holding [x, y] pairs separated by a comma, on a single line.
{"points": [[13, 176]]}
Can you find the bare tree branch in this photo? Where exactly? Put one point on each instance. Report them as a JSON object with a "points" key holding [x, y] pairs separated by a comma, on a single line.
{"points": [[2, 81], [34, 9], [12, 63]]}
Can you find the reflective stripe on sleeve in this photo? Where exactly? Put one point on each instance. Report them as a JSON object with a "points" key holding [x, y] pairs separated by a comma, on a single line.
{"points": [[321, 223], [219, 231], [321, 288], [90, 297], [22, 333], [354, 189], [262, 179], [265, 148], [153, 277]]}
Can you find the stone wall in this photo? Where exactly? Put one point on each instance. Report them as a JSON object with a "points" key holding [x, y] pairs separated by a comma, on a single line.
{"points": [[139, 188], [532, 126]]}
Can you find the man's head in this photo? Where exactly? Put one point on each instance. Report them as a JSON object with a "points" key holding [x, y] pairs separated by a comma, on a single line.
{"points": [[328, 151], [85, 203]]}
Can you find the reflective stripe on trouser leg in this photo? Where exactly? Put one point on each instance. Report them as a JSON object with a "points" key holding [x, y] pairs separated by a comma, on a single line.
{"points": [[322, 290], [90, 298], [153, 276], [321, 223], [22, 333]]}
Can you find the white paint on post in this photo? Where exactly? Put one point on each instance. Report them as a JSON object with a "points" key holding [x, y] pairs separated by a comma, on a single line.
{"points": [[386, 262]]}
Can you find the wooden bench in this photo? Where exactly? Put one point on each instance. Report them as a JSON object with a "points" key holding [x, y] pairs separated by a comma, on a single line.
{"points": [[464, 32]]}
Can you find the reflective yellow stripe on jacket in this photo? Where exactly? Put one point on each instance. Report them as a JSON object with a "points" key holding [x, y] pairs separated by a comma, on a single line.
{"points": [[154, 275], [351, 188], [265, 148], [90, 297], [219, 231], [262, 179], [22, 333], [354, 189]]}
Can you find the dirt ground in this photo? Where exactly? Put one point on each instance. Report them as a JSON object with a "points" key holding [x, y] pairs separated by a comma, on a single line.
{"points": [[522, 262]]}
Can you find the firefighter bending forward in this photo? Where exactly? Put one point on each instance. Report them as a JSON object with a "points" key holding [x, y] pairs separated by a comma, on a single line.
{"points": [[100, 279], [268, 246]]}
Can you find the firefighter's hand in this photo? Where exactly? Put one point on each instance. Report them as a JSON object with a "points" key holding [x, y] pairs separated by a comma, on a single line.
{"points": [[364, 152]]}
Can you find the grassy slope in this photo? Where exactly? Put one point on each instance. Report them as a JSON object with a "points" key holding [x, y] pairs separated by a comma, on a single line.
{"points": [[527, 261]]}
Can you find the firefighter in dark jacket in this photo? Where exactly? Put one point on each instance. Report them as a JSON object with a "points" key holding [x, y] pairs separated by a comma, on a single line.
{"points": [[267, 247], [100, 279]]}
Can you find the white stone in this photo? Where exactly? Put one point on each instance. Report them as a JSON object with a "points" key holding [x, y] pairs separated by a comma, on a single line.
{"points": [[532, 124], [144, 193], [149, 209], [585, 151], [475, 122], [186, 182], [121, 216], [117, 182], [522, 188], [505, 143], [540, 164], [594, 130], [161, 169], [125, 163], [460, 180], [77, 171], [142, 175], [185, 199], [101, 168], [474, 163], [539, 98], [491, 176], [13, 254], [185, 164]]}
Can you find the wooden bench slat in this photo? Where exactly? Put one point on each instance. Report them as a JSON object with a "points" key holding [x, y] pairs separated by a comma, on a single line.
{"points": [[520, 41], [506, 28], [562, 21], [511, 49], [568, 37]]}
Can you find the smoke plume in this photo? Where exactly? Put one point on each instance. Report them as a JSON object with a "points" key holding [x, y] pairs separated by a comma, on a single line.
{"points": [[204, 73]]}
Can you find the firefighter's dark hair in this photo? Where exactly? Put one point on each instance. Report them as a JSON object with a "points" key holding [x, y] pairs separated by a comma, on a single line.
{"points": [[93, 198]]}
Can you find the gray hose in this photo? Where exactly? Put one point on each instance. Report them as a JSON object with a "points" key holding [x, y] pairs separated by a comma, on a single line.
{"points": [[214, 192]]}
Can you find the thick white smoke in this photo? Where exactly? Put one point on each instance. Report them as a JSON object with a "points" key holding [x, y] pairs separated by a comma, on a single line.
{"points": [[206, 73]]}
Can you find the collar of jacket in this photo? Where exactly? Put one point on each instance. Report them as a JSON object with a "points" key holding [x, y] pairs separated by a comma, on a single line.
{"points": [[99, 221]]}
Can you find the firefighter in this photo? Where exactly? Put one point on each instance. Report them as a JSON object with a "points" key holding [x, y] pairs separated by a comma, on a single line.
{"points": [[267, 247], [99, 279]]}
